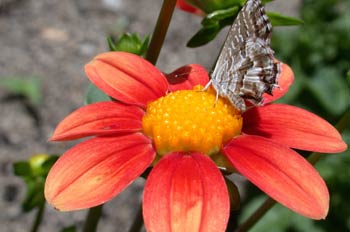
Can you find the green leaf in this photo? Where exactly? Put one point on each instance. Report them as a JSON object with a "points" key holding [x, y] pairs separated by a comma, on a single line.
{"points": [[213, 18], [129, 43], [93, 94], [112, 46], [144, 46], [203, 36], [266, 1], [22, 168], [331, 89], [69, 229], [211, 26], [215, 21], [35, 194], [33, 173], [283, 20], [29, 88]]}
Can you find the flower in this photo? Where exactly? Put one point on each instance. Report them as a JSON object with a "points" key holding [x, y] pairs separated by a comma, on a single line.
{"points": [[164, 121]]}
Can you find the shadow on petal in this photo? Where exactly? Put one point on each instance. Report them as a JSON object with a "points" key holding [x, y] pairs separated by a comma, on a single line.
{"points": [[187, 77]]}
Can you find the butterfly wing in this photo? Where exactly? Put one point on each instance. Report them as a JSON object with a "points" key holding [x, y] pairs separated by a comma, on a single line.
{"points": [[246, 67]]}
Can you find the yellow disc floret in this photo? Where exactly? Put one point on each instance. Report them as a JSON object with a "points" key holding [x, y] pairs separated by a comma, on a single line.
{"points": [[191, 120]]}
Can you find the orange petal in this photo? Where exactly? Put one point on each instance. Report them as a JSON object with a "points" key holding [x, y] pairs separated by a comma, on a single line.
{"points": [[96, 170], [285, 80], [187, 77], [281, 173], [102, 118], [185, 192], [293, 127], [127, 77]]}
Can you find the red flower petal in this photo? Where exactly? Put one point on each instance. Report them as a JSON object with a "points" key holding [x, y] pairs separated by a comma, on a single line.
{"points": [[187, 77], [185, 192], [96, 170], [285, 80], [183, 5], [280, 172], [102, 118], [127, 77], [293, 127]]}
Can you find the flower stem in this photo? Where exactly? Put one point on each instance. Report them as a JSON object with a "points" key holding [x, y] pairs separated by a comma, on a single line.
{"points": [[257, 215], [138, 221], [38, 218], [92, 219], [160, 30], [269, 202]]}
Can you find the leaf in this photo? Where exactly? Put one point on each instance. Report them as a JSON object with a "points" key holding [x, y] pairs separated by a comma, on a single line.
{"points": [[203, 36], [213, 18], [29, 87], [35, 194], [211, 26], [93, 94], [22, 168], [331, 89], [144, 45], [69, 229], [215, 21], [129, 43], [283, 20], [33, 172]]}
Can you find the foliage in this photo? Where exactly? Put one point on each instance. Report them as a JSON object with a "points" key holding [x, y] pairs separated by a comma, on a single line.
{"points": [[34, 172], [319, 53], [213, 22], [29, 88]]}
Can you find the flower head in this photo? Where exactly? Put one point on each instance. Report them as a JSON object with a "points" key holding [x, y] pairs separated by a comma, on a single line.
{"points": [[168, 122]]}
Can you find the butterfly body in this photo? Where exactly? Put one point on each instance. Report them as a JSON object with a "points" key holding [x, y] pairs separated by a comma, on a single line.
{"points": [[246, 67]]}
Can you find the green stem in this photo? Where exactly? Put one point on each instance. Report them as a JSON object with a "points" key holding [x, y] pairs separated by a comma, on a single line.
{"points": [[269, 202], [138, 221], [257, 215], [92, 219], [38, 218], [160, 30]]}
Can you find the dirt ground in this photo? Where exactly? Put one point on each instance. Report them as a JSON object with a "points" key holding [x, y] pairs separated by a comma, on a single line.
{"points": [[52, 40]]}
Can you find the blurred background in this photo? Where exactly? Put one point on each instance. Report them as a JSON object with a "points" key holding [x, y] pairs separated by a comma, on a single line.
{"points": [[45, 44]]}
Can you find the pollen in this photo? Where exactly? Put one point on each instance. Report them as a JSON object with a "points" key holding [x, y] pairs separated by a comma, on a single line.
{"points": [[191, 120]]}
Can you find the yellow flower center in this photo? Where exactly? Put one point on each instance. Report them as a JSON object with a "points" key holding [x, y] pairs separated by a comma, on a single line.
{"points": [[191, 120]]}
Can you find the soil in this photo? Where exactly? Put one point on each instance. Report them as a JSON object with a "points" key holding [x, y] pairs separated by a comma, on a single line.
{"points": [[51, 40]]}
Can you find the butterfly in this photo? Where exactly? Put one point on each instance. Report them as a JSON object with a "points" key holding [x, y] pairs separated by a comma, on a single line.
{"points": [[246, 67]]}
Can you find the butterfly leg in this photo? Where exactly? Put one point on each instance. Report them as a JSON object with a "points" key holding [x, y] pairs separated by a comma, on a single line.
{"points": [[206, 87]]}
